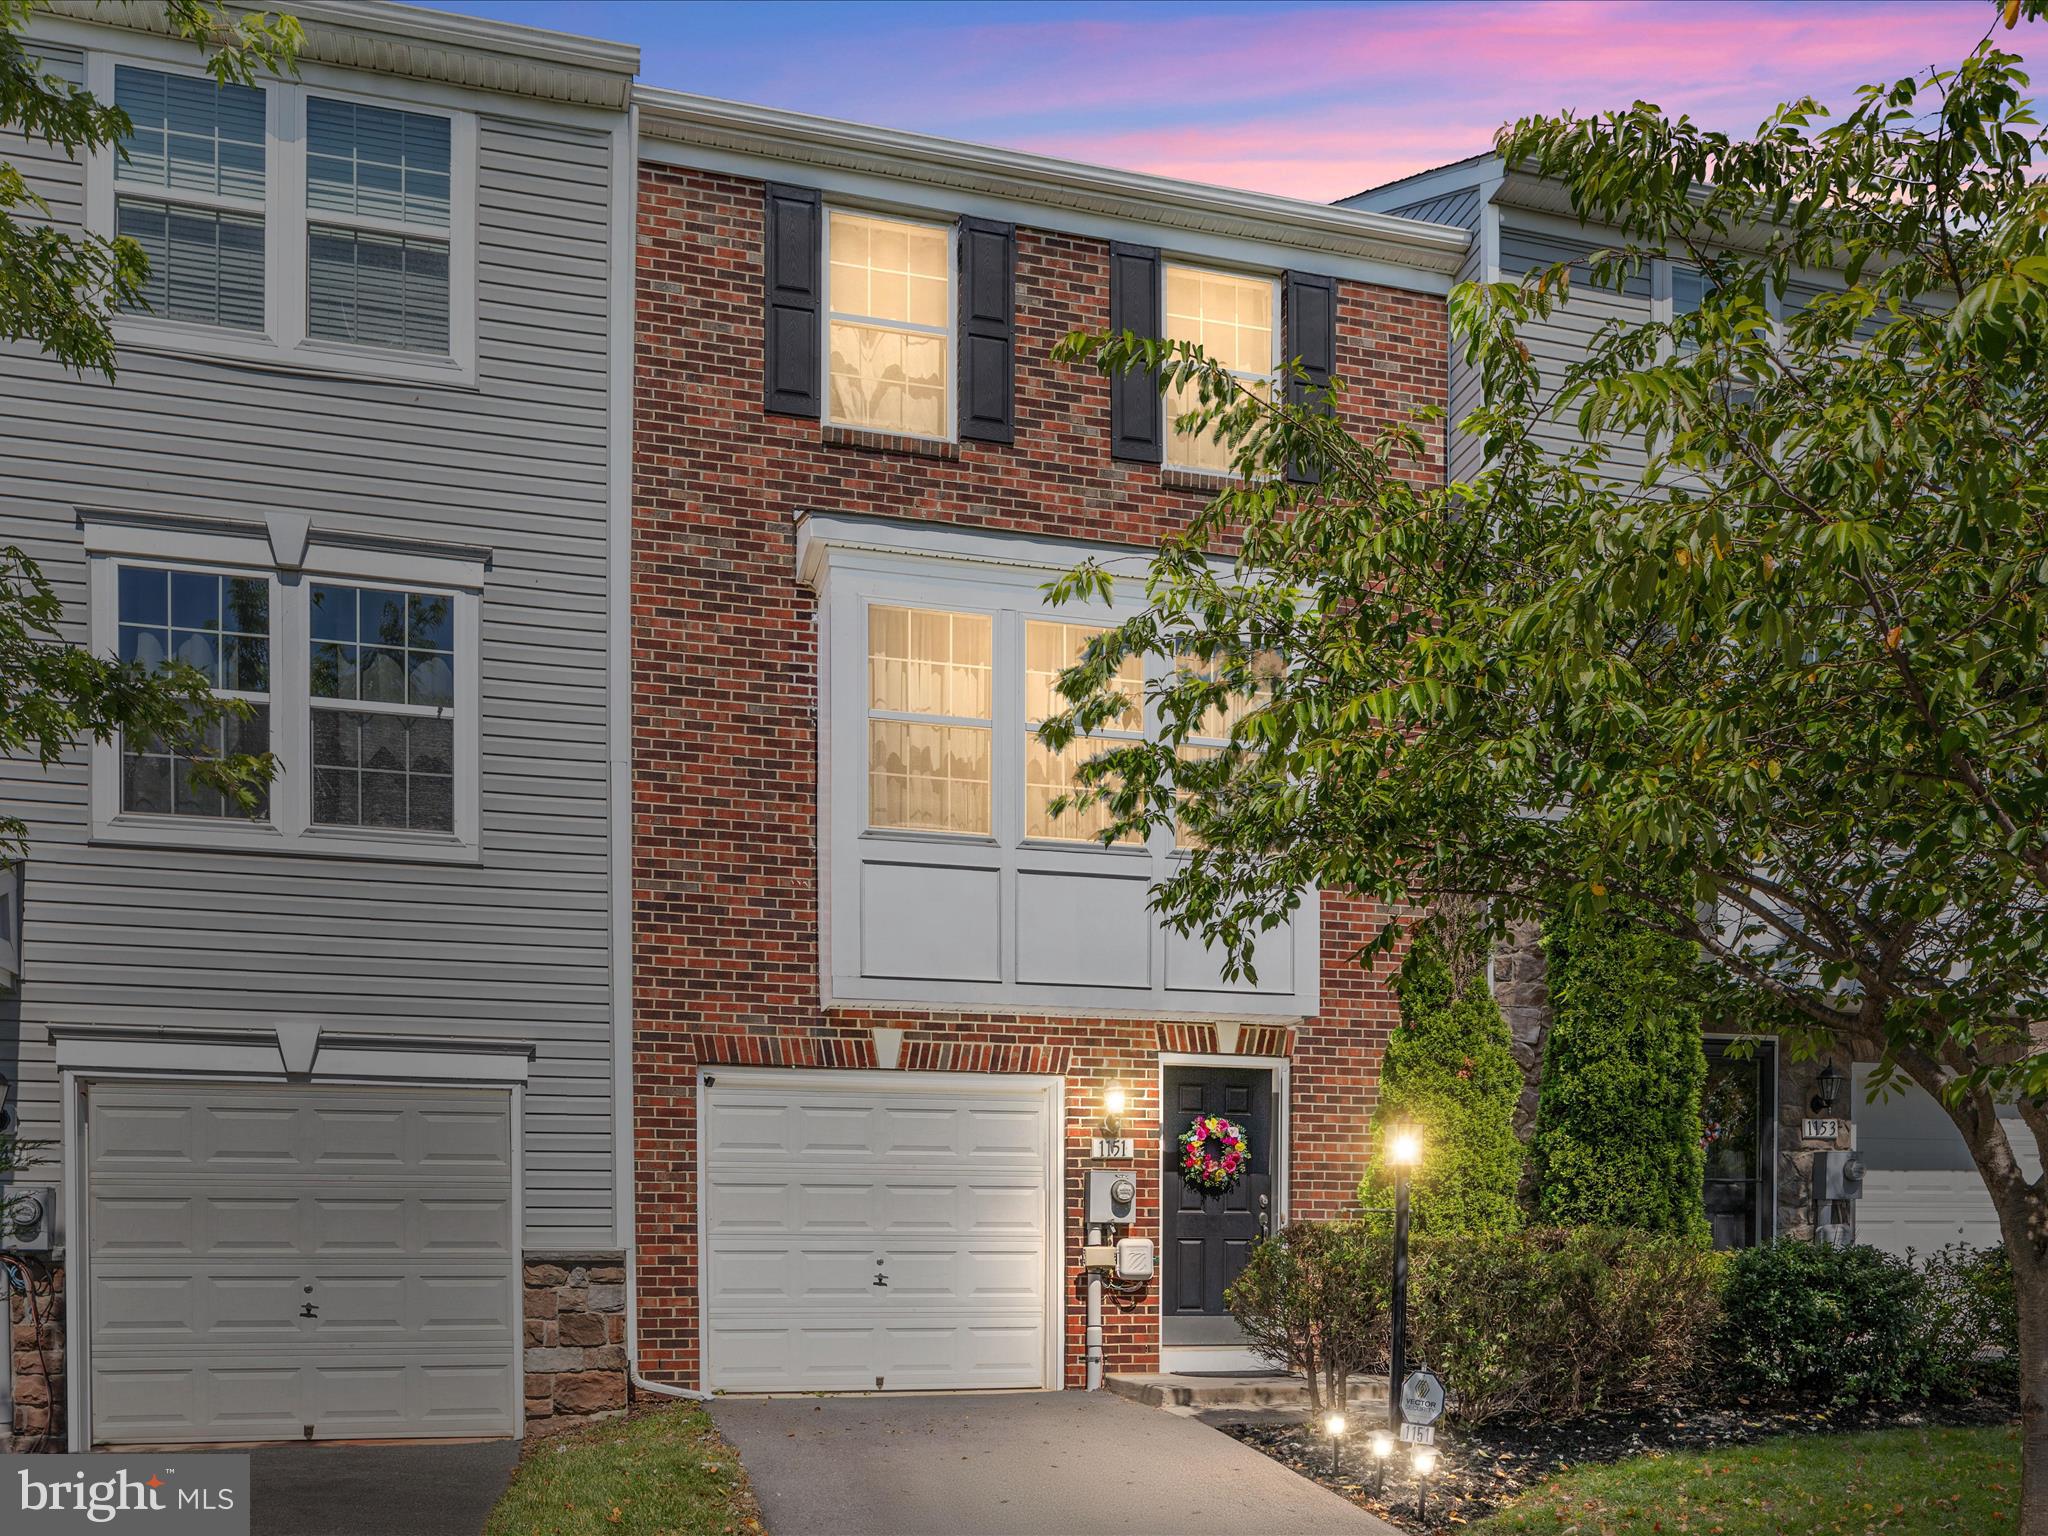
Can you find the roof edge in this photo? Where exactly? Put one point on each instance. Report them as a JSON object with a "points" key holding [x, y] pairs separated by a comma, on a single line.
{"points": [[421, 44], [679, 117]]}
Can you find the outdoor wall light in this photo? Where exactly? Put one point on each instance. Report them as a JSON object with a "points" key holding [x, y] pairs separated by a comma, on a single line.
{"points": [[1828, 1088], [1113, 1112]]}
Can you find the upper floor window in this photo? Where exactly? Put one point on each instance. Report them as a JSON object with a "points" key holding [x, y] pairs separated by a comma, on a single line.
{"points": [[930, 713], [1235, 319], [292, 222], [1049, 776], [363, 688], [889, 317]]}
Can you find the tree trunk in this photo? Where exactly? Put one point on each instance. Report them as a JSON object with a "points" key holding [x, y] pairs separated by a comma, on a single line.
{"points": [[2030, 1289]]}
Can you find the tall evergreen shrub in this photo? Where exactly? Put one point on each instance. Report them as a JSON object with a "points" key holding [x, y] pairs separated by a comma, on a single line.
{"points": [[1617, 1140], [1450, 1074]]}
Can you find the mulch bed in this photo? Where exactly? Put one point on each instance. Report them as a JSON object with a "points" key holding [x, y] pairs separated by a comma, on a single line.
{"points": [[1481, 1468]]}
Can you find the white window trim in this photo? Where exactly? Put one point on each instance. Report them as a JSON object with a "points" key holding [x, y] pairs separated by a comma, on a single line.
{"points": [[854, 562], [950, 334], [284, 341], [114, 539], [1272, 282]]}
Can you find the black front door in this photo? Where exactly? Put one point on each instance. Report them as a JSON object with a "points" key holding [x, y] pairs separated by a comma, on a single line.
{"points": [[1205, 1238]]}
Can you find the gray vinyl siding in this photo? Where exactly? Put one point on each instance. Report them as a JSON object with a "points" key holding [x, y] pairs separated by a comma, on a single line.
{"points": [[1463, 207], [517, 946], [1562, 338]]}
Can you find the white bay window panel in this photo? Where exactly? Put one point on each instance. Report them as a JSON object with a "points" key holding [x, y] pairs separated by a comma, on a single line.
{"points": [[938, 906], [888, 325], [1235, 320]]}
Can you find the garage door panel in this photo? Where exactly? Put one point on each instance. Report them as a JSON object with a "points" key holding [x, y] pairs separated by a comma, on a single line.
{"points": [[205, 1259], [812, 1191]]}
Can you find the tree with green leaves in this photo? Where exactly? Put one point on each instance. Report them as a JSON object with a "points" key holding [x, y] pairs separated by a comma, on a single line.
{"points": [[1784, 690], [1449, 1075], [1617, 1139], [59, 289]]}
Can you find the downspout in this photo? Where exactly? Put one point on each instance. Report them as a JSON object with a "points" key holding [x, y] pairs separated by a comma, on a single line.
{"points": [[624, 293]]}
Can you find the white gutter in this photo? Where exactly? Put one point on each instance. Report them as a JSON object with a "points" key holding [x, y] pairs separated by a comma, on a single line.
{"points": [[706, 123]]}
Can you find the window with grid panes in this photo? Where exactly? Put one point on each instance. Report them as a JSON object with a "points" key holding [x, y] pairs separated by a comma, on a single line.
{"points": [[377, 240], [219, 625], [890, 308], [1235, 320], [190, 190], [1050, 648], [382, 672], [930, 719]]}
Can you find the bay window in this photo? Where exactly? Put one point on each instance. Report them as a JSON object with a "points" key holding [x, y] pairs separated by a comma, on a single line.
{"points": [[947, 875]]}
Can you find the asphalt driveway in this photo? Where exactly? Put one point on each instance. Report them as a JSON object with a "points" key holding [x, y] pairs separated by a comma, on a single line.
{"points": [[1013, 1464], [377, 1490]]}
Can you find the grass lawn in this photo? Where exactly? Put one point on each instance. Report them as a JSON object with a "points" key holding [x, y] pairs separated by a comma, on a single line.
{"points": [[1900, 1482], [663, 1472]]}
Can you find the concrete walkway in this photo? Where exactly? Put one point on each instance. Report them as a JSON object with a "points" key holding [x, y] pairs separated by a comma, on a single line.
{"points": [[1014, 1464]]}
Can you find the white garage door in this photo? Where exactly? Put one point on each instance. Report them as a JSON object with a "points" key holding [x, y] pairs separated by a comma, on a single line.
{"points": [[268, 1263], [1920, 1189], [861, 1236]]}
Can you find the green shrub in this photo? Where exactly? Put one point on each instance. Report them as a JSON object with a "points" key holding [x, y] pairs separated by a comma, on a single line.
{"points": [[1617, 1140], [1450, 1074], [1313, 1298], [1971, 1318], [1547, 1323], [1828, 1326]]}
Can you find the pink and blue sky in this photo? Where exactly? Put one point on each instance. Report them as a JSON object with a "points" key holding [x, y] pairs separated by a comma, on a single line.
{"points": [[1311, 100]]}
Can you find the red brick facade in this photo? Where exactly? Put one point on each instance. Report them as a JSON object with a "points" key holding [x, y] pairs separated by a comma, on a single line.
{"points": [[725, 889]]}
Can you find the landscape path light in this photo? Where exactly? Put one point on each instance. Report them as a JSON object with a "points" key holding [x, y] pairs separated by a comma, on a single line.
{"points": [[1333, 1426], [1382, 1448], [1422, 1462]]}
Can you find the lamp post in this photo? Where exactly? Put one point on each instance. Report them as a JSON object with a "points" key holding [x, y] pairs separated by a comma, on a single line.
{"points": [[1404, 1151]]}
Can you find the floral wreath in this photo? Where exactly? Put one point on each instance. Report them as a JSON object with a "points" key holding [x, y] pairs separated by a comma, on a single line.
{"points": [[1213, 1153]]}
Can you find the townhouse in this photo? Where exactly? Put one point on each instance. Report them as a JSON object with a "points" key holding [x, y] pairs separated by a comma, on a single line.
{"points": [[891, 1013], [1780, 1131], [332, 1088]]}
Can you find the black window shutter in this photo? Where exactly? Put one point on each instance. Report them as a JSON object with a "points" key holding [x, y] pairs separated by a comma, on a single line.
{"points": [[988, 330], [1137, 416], [793, 235], [1311, 322]]}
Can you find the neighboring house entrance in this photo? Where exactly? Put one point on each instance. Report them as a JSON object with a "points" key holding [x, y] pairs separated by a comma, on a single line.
{"points": [[1738, 1113], [294, 1262], [1205, 1238], [867, 1231], [1921, 1192]]}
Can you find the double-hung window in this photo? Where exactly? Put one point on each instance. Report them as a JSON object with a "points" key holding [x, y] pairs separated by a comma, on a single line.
{"points": [[291, 223], [191, 191], [1235, 320], [930, 717], [888, 325], [358, 674], [1050, 647]]}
